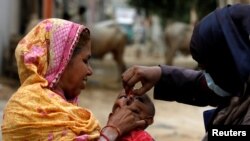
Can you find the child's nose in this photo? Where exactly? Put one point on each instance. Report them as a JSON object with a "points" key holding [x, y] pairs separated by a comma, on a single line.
{"points": [[130, 100]]}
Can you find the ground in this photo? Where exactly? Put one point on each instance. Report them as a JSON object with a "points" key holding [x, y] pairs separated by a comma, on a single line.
{"points": [[173, 121]]}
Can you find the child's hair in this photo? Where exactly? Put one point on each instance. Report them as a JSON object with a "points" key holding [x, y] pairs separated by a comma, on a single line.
{"points": [[150, 105]]}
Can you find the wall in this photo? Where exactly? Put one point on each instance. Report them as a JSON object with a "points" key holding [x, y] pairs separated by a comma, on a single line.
{"points": [[9, 23]]}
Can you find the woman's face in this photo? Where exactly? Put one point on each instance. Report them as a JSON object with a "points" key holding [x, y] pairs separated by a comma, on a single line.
{"points": [[74, 78]]}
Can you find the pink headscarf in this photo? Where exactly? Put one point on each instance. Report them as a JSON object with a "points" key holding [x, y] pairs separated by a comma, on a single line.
{"points": [[54, 37]]}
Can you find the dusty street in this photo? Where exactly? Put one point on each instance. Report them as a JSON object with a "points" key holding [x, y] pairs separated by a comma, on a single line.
{"points": [[173, 121]]}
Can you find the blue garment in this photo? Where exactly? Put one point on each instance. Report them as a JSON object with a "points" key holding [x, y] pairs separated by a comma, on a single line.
{"points": [[207, 117], [220, 42]]}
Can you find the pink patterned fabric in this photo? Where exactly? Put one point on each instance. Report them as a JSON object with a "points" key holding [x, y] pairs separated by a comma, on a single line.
{"points": [[63, 40], [31, 56], [52, 38], [82, 138]]}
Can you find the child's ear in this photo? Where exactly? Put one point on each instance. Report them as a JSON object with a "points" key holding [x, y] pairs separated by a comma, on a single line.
{"points": [[149, 121]]}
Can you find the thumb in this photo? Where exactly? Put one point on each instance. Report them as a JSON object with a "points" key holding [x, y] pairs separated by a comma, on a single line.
{"points": [[142, 90], [139, 91]]}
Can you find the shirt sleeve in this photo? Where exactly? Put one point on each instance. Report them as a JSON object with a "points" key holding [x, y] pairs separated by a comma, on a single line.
{"points": [[186, 86]]}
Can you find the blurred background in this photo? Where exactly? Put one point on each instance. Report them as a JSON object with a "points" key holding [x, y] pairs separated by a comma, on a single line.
{"points": [[124, 33]]}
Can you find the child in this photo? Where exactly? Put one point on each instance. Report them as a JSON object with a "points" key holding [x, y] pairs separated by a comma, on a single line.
{"points": [[143, 108]]}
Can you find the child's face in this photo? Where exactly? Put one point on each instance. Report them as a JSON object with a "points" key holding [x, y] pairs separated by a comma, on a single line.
{"points": [[140, 105]]}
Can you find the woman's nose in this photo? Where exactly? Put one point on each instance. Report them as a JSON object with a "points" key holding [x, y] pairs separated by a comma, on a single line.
{"points": [[90, 70]]}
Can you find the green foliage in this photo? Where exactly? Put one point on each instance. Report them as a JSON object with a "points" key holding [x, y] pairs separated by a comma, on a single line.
{"points": [[174, 9], [205, 8]]}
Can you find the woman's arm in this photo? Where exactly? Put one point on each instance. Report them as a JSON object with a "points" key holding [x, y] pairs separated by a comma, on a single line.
{"points": [[186, 86], [109, 133], [120, 122]]}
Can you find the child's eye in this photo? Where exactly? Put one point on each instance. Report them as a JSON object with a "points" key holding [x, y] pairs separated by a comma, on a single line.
{"points": [[140, 99], [122, 96]]}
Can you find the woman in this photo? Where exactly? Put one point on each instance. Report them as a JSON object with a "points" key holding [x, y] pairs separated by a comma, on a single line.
{"points": [[220, 44], [53, 66]]}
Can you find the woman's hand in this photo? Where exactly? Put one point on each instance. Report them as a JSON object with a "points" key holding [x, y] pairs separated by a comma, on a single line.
{"points": [[148, 76], [125, 120], [120, 122]]}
